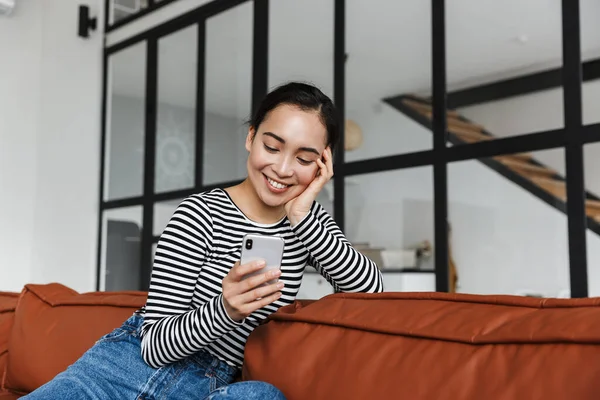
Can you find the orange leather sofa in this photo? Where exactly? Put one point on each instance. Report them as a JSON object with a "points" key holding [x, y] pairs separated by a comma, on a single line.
{"points": [[46, 328], [346, 346]]}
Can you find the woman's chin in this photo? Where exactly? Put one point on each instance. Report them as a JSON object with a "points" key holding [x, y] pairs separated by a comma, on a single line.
{"points": [[271, 200]]}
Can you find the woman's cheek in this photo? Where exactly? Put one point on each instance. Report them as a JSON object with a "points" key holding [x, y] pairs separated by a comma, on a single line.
{"points": [[260, 159], [307, 175]]}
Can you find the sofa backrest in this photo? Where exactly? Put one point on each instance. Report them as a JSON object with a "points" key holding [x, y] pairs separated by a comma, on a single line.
{"points": [[54, 325], [430, 346], [8, 302]]}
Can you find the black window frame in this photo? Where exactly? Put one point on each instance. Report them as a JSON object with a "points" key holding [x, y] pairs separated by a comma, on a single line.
{"points": [[153, 5], [572, 137]]}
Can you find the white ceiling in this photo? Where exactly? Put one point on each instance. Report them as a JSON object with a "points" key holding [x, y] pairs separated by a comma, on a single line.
{"points": [[388, 43]]}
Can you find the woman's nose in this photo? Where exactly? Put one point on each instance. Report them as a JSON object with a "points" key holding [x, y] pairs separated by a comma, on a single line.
{"points": [[283, 167]]}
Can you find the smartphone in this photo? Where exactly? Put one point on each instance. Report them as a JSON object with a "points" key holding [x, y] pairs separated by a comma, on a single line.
{"points": [[262, 247]]}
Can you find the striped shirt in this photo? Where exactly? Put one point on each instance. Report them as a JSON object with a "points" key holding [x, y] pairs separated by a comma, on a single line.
{"points": [[185, 313]]}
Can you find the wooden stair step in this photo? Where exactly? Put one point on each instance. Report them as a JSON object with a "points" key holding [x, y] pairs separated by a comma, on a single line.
{"points": [[520, 165], [593, 206], [559, 189], [465, 124], [520, 156], [453, 122], [424, 108], [552, 186], [469, 135], [593, 215]]}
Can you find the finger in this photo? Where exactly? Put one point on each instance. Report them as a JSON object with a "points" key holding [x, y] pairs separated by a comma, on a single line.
{"points": [[329, 160], [240, 270], [322, 166], [265, 301], [324, 171], [255, 281], [261, 292]]}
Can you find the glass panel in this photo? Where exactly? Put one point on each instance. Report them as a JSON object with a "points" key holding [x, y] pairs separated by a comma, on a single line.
{"points": [[163, 211], [154, 246], [176, 110], [325, 197], [121, 241], [590, 43], [590, 98], [509, 230], [489, 42], [389, 217], [592, 185], [228, 93], [298, 53], [388, 65], [124, 162], [121, 9]]}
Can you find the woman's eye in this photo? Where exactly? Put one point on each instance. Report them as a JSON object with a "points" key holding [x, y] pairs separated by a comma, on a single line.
{"points": [[304, 162], [270, 149]]}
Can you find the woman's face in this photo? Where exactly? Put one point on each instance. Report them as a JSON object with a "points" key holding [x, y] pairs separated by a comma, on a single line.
{"points": [[283, 153]]}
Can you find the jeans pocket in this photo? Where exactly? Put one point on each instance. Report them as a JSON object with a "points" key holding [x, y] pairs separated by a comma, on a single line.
{"points": [[219, 382], [114, 336]]}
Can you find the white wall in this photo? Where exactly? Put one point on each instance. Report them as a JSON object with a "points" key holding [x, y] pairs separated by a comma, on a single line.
{"points": [[50, 100], [504, 239], [19, 104], [543, 111]]}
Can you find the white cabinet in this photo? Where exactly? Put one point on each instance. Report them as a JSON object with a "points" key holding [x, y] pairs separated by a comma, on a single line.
{"points": [[313, 287], [408, 281]]}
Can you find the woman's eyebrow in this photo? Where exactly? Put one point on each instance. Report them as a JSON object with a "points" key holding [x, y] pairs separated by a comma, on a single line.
{"points": [[274, 136], [310, 150], [282, 141]]}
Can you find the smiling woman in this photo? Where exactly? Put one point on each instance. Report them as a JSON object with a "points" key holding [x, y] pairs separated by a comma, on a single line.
{"points": [[188, 340], [290, 144]]}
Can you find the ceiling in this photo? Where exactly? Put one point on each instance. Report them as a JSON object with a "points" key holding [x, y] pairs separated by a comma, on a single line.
{"points": [[388, 44]]}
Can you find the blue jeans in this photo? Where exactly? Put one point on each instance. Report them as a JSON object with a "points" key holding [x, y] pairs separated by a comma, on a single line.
{"points": [[114, 369]]}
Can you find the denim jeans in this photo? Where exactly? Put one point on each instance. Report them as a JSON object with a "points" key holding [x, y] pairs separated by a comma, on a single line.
{"points": [[114, 369]]}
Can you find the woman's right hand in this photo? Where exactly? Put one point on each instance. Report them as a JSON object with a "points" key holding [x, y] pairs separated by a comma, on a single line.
{"points": [[242, 297]]}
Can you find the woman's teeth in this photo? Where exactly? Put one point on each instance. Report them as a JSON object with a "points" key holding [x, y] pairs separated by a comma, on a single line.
{"points": [[276, 184]]}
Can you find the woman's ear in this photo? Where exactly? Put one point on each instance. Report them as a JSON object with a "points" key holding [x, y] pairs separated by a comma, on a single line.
{"points": [[250, 138]]}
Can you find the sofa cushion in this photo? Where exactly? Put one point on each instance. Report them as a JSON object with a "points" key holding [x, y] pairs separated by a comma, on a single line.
{"points": [[6, 395], [55, 325], [430, 346], [8, 302]]}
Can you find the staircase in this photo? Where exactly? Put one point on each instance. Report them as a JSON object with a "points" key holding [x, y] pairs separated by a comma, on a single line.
{"points": [[522, 169]]}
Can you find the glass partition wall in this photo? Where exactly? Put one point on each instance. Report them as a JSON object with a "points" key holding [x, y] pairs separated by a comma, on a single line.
{"points": [[456, 172]]}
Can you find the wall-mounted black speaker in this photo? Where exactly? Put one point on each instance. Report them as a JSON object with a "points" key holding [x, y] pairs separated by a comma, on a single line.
{"points": [[86, 24]]}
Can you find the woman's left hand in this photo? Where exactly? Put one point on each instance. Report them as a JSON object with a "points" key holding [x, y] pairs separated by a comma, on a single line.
{"points": [[297, 208]]}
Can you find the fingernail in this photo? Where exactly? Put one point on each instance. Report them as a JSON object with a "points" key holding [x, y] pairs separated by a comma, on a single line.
{"points": [[259, 263], [280, 285], [275, 273]]}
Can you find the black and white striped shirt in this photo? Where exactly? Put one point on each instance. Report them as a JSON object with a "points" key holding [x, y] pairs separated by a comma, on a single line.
{"points": [[184, 312]]}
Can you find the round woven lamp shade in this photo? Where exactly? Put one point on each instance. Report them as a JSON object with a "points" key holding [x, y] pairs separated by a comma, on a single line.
{"points": [[352, 136]]}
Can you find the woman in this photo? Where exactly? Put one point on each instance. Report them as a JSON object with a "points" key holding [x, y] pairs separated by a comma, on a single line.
{"points": [[188, 340]]}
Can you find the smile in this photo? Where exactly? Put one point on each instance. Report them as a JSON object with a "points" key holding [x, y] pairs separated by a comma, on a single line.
{"points": [[276, 186]]}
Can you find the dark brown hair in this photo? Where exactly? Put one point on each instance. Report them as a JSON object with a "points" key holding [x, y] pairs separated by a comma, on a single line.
{"points": [[306, 97]]}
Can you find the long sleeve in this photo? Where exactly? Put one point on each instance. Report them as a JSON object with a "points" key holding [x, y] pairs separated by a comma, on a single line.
{"points": [[334, 257], [172, 330]]}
